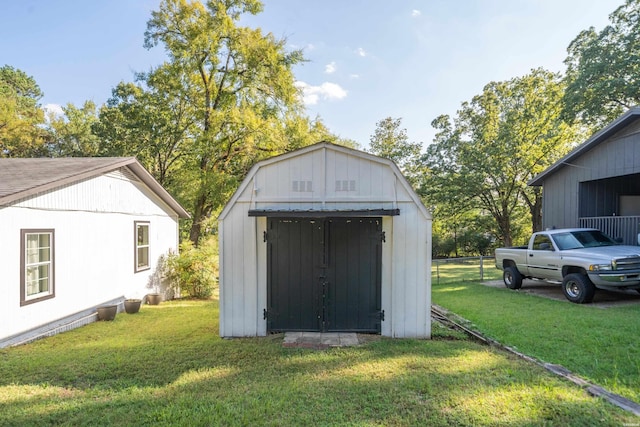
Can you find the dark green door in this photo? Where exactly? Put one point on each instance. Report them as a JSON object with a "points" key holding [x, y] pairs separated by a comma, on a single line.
{"points": [[324, 274]]}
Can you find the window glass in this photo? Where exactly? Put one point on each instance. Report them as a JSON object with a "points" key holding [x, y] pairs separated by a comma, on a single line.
{"points": [[542, 243], [142, 246], [37, 265]]}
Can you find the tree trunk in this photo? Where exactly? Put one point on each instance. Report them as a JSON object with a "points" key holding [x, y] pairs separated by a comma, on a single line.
{"points": [[198, 217], [536, 210], [504, 224]]}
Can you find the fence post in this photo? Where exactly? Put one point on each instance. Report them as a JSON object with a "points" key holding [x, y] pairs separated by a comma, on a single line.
{"points": [[481, 269], [437, 272]]}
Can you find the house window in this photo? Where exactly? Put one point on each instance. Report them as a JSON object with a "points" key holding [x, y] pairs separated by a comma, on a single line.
{"points": [[142, 246], [36, 265]]}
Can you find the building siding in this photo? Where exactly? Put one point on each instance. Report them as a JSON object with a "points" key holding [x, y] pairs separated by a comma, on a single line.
{"points": [[406, 254], [94, 247], [618, 155]]}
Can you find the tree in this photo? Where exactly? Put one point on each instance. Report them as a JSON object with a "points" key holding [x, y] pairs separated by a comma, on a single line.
{"points": [[238, 85], [151, 120], [603, 69], [21, 118], [391, 142], [505, 136], [71, 134]]}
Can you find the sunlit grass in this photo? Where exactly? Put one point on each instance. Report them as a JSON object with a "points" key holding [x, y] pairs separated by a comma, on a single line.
{"points": [[600, 345], [167, 366]]}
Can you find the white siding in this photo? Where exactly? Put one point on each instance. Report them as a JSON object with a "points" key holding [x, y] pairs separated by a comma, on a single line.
{"points": [[94, 247], [365, 182]]}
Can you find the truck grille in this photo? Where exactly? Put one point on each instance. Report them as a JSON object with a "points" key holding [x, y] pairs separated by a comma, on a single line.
{"points": [[632, 263]]}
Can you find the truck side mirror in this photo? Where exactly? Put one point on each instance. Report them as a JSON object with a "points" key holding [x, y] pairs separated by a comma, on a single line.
{"points": [[545, 247]]}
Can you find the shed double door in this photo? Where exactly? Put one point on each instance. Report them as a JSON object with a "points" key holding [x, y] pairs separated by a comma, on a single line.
{"points": [[324, 274]]}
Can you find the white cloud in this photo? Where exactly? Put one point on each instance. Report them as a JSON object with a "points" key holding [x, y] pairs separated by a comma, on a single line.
{"points": [[415, 12], [361, 52], [330, 68], [311, 95], [354, 76], [53, 109]]}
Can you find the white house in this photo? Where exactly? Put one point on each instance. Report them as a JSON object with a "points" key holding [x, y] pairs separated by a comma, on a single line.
{"points": [[77, 233], [325, 238]]}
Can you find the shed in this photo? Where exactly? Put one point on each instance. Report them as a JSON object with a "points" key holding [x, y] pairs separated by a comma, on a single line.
{"points": [[328, 239], [598, 183], [77, 233]]}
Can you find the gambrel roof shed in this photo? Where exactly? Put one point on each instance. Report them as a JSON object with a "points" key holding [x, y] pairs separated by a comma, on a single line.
{"points": [[325, 238]]}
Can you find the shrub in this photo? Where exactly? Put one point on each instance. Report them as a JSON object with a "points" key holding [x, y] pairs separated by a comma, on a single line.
{"points": [[195, 269]]}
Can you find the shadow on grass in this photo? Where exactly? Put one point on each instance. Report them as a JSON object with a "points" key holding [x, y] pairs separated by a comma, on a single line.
{"points": [[168, 366]]}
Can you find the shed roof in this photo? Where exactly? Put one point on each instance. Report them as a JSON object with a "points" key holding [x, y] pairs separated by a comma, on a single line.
{"points": [[622, 121], [26, 177], [324, 145]]}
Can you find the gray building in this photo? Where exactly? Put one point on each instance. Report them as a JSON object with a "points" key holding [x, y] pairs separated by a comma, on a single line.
{"points": [[598, 184]]}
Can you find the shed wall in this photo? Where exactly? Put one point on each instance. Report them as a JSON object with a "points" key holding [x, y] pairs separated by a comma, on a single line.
{"points": [[94, 247], [406, 254]]}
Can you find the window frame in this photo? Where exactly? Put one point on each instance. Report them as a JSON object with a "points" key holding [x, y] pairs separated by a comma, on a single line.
{"points": [[136, 267], [24, 298]]}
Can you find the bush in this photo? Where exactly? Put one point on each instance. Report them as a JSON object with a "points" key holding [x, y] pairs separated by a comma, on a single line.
{"points": [[195, 270]]}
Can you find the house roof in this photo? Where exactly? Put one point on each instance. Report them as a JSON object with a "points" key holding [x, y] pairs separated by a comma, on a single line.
{"points": [[23, 178], [324, 145], [622, 121]]}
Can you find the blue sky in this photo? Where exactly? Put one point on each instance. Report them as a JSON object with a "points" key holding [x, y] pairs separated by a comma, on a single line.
{"points": [[367, 59]]}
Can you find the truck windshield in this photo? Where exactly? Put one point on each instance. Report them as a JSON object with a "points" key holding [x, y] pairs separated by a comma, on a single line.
{"points": [[582, 239]]}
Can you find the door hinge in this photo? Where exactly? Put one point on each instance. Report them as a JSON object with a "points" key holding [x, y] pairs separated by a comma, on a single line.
{"points": [[382, 315], [383, 236], [265, 314], [264, 236]]}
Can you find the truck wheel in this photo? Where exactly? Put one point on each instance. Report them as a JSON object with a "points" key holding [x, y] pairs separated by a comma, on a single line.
{"points": [[578, 288], [512, 278]]}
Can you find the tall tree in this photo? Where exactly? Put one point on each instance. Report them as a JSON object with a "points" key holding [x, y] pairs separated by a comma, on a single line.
{"points": [[71, 134], [151, 120], [390, 141], [484, 158], [238, 83], [21, 118], [603, 69]]}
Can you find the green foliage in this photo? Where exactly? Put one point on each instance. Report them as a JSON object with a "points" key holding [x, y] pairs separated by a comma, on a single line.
{"points": [[166, 366], [482, 159], [391, 142], [195, 270], [21, 118], [603, 69], [237, 88], [72, 135]]}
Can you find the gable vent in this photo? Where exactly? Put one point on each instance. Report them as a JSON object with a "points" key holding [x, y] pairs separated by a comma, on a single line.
{"points": [[345, 185], [301, 186]]}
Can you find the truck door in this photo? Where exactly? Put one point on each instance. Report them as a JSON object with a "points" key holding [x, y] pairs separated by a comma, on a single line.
{"points": [[543, 259]]}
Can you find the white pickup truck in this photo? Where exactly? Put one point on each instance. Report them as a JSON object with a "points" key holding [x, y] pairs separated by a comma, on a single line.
{"points": [[581, 259]]}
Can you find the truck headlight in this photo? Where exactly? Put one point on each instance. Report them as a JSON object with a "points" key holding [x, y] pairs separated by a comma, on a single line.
{"points": [[600, 267]]}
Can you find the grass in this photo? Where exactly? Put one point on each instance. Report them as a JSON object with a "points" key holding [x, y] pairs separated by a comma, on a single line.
{"points": [[167, 366], [598, 344]]}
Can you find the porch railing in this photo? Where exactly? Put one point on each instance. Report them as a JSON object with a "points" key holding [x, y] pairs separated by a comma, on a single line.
{"points": [[625, 227]]}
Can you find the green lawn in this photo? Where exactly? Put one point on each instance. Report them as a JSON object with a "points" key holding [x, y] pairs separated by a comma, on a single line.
{"points": [[598, 344], [167, 366]]}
